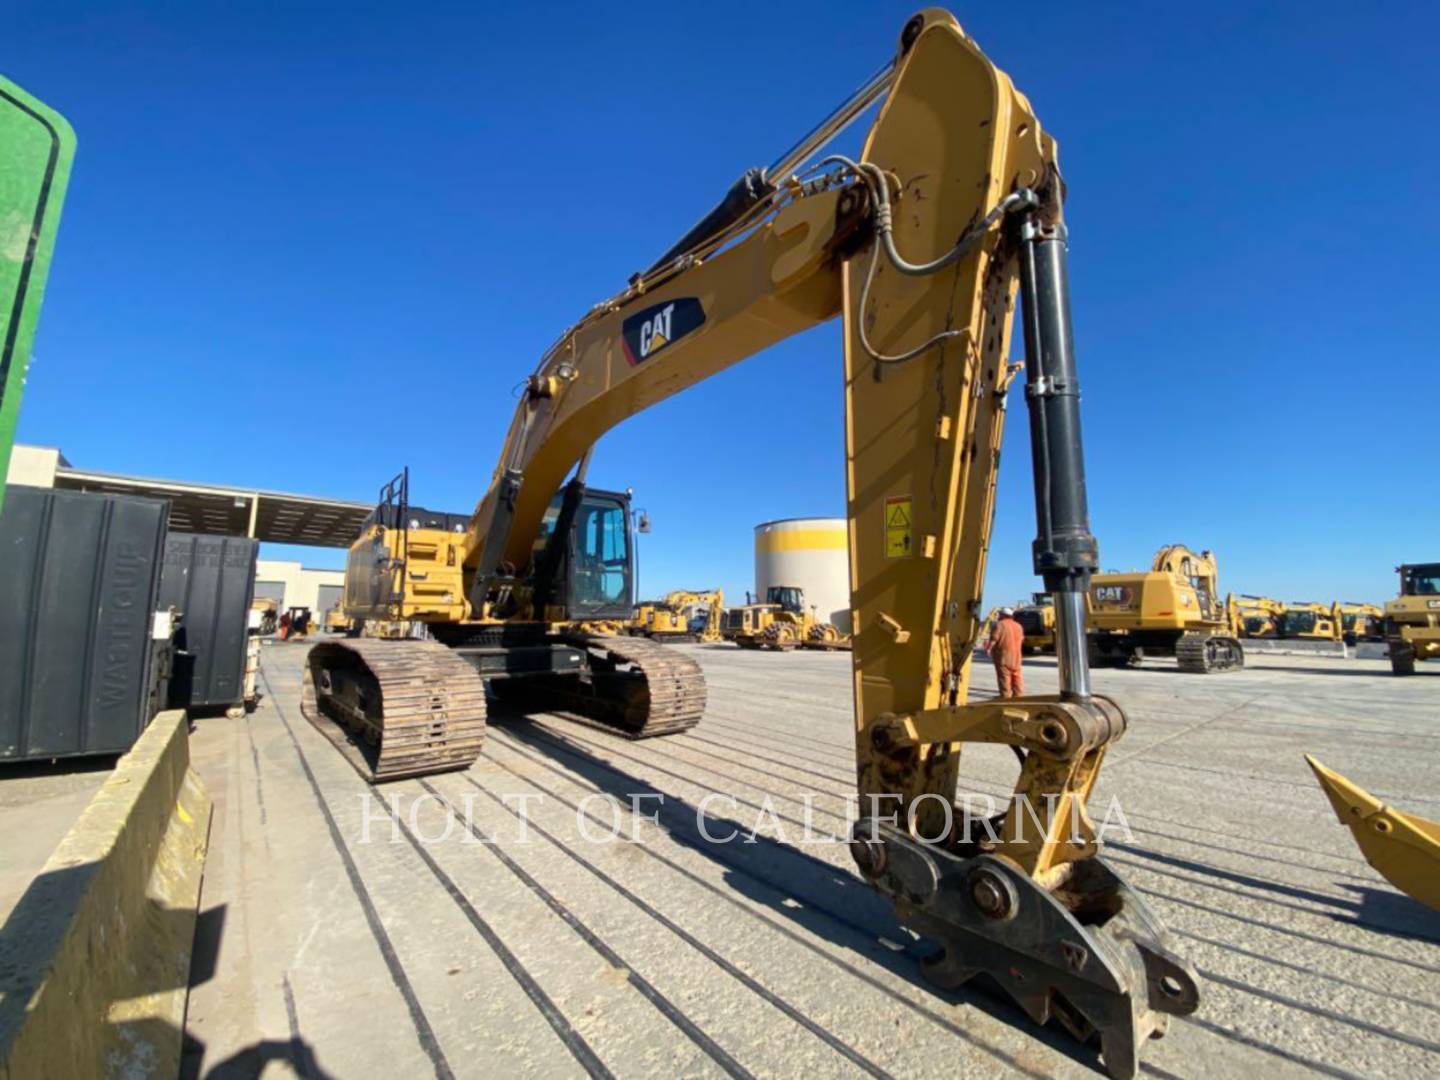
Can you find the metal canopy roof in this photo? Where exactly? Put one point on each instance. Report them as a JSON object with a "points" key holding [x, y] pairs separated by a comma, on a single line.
{"points": [[270, 516]]}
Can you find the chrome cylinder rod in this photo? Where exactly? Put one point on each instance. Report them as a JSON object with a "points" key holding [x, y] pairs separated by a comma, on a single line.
{"points": [[1070, 648], [841, 118]]}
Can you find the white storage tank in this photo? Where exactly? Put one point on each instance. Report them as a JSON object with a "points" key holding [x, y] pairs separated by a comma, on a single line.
{"points": [[811, 553]]}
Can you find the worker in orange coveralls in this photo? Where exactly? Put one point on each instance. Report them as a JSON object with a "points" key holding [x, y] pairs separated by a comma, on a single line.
{"points": [[1004, 648]]}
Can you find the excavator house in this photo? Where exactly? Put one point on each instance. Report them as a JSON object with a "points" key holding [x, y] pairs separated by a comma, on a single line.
{"points": [[1173, 609], [921, 246]]}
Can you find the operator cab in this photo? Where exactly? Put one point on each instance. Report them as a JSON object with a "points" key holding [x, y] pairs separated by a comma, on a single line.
{"points": [[1295, 623], [592, 573], [789, 597], [1421, 579]]}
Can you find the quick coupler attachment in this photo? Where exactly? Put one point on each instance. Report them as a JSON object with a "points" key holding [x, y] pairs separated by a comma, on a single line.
{"points": [[1086, 951]]}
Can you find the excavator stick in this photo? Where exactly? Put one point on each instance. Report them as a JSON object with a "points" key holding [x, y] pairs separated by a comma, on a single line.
{"points": [[1405, 849], [967, 210]]}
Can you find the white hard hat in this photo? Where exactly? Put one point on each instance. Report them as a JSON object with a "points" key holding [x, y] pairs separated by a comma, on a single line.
{"points": [[1007, 611]]}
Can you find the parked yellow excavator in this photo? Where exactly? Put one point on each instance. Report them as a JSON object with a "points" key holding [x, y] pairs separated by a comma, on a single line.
{"points": [[1412, 620], [1254, 616], [954, 205], [1362, 622], [671, 618], [1173, 609], [1307, 620]]}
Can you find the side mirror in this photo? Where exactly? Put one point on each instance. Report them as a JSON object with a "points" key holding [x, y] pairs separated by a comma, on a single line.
{"points": [[644, 524]]}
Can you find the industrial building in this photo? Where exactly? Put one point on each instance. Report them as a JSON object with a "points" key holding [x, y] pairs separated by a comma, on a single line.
{"points": [[218, 510]]}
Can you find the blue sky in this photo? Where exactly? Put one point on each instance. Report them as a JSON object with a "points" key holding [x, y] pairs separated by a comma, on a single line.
{"points": [[306, 244]]}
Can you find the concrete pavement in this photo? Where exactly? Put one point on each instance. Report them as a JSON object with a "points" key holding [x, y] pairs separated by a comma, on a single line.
{"points": [[345, 933]]}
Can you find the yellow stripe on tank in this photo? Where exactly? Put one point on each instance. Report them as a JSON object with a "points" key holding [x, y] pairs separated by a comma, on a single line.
{"points": [[801, 540]]}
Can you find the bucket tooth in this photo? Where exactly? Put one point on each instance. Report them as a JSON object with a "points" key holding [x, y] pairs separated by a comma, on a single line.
{"points": [[1403, 848]]}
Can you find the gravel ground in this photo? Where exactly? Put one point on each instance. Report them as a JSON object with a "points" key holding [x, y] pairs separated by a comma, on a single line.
{"points": [[336, 942]]}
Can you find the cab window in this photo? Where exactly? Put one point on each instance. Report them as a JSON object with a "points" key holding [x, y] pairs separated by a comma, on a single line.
{"points": [[602, 554]]}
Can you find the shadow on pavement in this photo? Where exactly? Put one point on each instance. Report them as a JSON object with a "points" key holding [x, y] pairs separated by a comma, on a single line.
{"points": [[799, 888]]}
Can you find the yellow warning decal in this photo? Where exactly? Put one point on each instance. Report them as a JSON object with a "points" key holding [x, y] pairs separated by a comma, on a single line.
{"points": [[899, 527]]}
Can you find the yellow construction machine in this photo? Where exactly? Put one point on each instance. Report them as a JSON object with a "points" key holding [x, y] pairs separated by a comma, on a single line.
{"points": [[1307, 620], [1255, 616], [921, 245], [1173, 609], [1362, 622], [1412, 621], [782, 622], [673, 618], [336, 621], [1037, 619], [657, 620]]}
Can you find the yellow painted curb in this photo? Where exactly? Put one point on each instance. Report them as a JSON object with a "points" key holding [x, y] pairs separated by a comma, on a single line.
{"points": [[95, 958]]}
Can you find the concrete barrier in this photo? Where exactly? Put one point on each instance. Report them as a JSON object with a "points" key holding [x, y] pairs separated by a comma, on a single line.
{"points": [[1293, 647], [95, 957]]}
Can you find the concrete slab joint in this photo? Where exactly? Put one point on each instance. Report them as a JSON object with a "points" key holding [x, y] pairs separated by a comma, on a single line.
{"points": [[95, 957]]}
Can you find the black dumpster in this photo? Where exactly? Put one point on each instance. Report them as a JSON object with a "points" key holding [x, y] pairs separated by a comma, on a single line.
{"points": [[79, 576], [210, 581]]}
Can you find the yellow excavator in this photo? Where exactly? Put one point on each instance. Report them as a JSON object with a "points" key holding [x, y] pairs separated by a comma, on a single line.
{"points": [[920, 245], [1412, 621], [670, 618], [1254, 616], [1307, 620], [1173, 609], [1362, 622]]}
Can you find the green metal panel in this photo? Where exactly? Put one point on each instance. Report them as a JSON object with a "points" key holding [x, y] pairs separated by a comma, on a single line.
{"points": [[36, 148]]}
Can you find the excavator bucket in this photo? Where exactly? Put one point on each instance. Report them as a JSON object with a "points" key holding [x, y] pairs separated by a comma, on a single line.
{"points": [[1405, 849]]}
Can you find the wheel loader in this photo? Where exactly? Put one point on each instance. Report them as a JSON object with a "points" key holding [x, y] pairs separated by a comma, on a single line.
{"points": [[783, 622], [1173, 609], [1412, 620], [947, 223]]}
